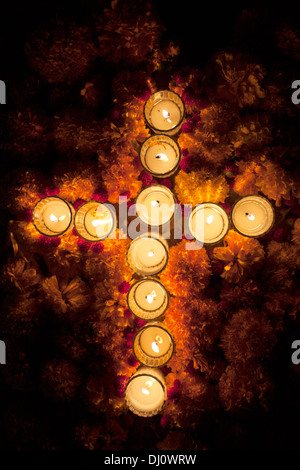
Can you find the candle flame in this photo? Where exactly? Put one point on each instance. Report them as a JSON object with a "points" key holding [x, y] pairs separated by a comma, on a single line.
{"points": [[150, 254], [53, 218], [155, 203], [250, 216], [210, 219], [166, 115], [151, 297], [97, 222], [145, 389], [155, 347], [162, 156]]}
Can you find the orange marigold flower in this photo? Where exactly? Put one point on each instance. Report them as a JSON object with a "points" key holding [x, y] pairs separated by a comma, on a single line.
{"points": [[276, 183], [200, 186], [24, 197], [77, 185], [238, 79], [284, 254], [242, 256], [247, 336], [245, 181], [24, 276], [66, 297], [251, 133], [296, 232], [122, 177], [187, 272], [262, 175], [71, 135]]}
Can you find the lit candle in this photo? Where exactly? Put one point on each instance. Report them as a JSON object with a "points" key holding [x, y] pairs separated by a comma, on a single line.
{"points": [[94, 221], [252, 216], [147, 255], [145, 393], [164, 112], [147, 299], [153, 345], [155, 205], [160, 155], [52, 216], [208, 223]]}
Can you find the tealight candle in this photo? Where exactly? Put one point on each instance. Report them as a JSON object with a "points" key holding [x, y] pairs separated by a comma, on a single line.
{"points": [[164, 112], [52, 216], [153, 345], [160, 155], [145, 393], [252, 216], [94, 221], [147, 299], [155, 205], [147, 255], [208, 223]]}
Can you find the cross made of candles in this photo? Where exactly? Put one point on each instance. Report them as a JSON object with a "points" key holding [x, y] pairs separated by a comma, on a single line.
{"points": [[147, 254]]}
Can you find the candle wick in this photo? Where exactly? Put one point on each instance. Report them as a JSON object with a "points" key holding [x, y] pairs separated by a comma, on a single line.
{"points": [[151, 297], [162, 156], [210, 219], [250, 216], [155, 203], [155, 346]]}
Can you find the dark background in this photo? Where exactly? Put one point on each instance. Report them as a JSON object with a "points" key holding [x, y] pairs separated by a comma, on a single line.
{"points": [[200, 31]]}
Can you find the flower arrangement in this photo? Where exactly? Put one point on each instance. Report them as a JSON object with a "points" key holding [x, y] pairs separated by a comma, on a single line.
{"points": [[67, 298]]}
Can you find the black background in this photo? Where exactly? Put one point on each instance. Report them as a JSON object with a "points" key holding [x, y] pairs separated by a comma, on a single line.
{"points": [[200, 31]]}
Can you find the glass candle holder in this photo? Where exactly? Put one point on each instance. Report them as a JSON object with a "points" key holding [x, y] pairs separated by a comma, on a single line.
{"points": [[153, 345], [145, 393], [147, 255], [252, 216], [52, 216], [160, 156], [155, 205], [148, 299], [208, 223], [94, 221], [164, 112]]}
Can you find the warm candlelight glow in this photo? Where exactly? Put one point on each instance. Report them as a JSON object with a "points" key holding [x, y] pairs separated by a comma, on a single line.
{"points": [[164, 112], [145, 392], [148, 299], [147, 255], [151, 297], [153, 345], [160, 155], [52, 216], [94, 221], [252, 216], [155, 205], [208, 223]]}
